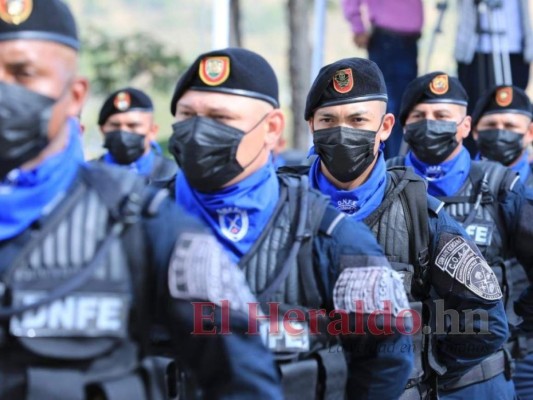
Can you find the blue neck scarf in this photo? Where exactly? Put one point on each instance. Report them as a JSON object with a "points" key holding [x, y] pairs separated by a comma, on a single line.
{"points": [[236, 214], [443, 179], [25, 196], [522, 167], [360, 202], [142, 166]]}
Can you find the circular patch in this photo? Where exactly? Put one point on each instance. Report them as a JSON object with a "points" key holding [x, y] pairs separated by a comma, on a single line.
{"points": [[504, 96], [343, 80], [439, 85], [15, 11], [214, 71], [122, 101]]}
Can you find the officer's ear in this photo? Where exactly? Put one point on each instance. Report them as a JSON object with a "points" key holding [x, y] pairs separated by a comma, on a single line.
{"points": [[528, 138], [154, 130], [463, 129], [386, 127], [78, 94], [275, 124]]}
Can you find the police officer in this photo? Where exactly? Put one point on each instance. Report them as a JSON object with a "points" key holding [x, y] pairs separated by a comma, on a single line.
{"points": [[84, 248], [127, 122], [346, 111], [294, 249], [503, 130], [485, 197]]}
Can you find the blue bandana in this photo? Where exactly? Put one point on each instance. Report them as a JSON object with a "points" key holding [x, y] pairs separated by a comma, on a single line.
{"points": [[25, 196], [142, 166], [237, 214], [359, 202], [522, 167], [443, 179]]}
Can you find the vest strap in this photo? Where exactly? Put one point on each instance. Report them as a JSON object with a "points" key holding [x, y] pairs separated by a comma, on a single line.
{"points": [[335, 372]]}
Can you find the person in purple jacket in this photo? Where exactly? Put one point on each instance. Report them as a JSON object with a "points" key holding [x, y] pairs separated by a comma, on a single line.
{"points": [[390, 31]]}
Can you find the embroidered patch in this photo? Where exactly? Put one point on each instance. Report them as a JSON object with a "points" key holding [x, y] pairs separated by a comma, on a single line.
{"points": [[458, 259], [373, 286], [214, 71], [15, 11], [343, 80], [504, 96], [122, 101], [201, 270], [233, 223], [480, 233], [347, 206], [439, 85]]}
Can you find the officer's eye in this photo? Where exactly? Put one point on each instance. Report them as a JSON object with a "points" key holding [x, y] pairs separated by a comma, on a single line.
{"points": [[325, 120], [185, 114], [23, 73]]}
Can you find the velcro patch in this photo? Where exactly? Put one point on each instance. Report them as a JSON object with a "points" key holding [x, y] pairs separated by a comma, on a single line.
{"points": [[460, 260], [200, 269], [77, 315], [371, 285]]}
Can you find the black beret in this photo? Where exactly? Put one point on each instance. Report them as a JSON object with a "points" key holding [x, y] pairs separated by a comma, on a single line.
{"points": [[233, 71], [124, 100], [502, 99], [49, 20], [435, 87], [349, 80]]}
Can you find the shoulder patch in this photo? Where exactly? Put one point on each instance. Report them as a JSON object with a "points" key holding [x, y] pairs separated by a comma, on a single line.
{"points": [[459, 260], [201, 270], [371, 285]]}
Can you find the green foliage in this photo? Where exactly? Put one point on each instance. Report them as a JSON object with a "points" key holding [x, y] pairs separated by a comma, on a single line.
{"points": [[120, 61]]}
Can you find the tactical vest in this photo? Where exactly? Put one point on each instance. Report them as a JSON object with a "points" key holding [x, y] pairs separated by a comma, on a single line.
{"points": [[164, 168], [68, 292], [279, 268], [401, 226]]}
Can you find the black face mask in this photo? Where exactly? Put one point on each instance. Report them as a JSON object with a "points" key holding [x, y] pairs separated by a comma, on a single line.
{"points": [[206, 151], [500, 145], [346, 152], [125, 147], [432, 141], [24, 118]]}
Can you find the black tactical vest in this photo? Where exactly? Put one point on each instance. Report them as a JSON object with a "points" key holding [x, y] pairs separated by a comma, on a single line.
{"points": [[401, 226], [279, 268], [69, 293]]}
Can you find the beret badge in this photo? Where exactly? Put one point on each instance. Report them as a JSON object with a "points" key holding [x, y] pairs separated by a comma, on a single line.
{"points": [[122, 101], [15, 12], [214, 71], [343, 80], [439, 85], [504, 96]]}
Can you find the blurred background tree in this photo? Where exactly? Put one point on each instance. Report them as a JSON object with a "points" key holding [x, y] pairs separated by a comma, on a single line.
{"points": [[137, 59]]}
